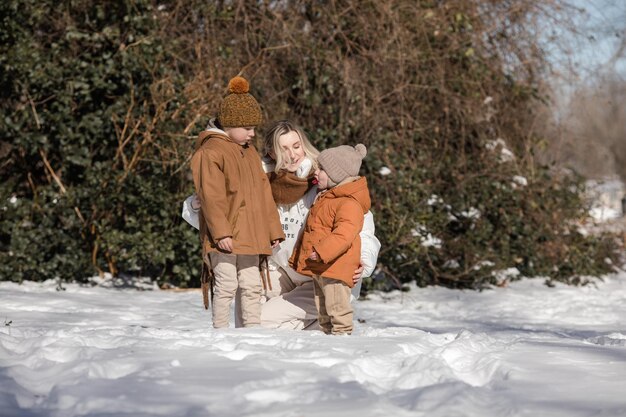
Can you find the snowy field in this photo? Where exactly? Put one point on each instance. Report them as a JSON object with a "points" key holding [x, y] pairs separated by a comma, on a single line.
{"points": [[525, 350]]}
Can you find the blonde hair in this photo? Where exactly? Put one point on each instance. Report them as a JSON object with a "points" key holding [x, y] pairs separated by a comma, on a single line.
{"points": [[272, 147]]}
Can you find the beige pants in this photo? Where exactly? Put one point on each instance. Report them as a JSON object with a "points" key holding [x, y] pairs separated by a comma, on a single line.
{"points": [[233, 272], [332, 298], [281, 284], [293, 309], [288, 305]]}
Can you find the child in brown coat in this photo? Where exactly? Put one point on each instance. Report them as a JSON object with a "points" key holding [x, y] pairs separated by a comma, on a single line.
{"points": [[330, 248], [238, 217]]}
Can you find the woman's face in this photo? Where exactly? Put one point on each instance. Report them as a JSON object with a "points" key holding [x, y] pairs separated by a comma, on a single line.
{"points": [[291, 150]]}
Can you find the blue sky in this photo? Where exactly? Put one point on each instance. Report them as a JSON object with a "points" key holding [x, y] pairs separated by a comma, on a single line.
{"points": [[605, 22], [582, 57]]}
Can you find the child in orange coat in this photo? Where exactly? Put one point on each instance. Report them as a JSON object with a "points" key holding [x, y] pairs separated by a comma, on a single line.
{"points": [[330, 248]]}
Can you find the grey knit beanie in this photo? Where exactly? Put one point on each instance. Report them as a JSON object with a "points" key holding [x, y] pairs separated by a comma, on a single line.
{"points": [[342, 161]]}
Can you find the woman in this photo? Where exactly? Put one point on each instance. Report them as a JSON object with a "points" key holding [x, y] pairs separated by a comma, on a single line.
{"points": [[290, 161]]}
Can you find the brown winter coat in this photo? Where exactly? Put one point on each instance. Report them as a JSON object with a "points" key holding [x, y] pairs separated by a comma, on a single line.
{"points": [[235, 196], [332, 230]]}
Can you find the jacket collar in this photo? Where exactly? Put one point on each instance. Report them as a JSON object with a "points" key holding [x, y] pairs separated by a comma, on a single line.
{"points": [[213, 133], [354, 187]]}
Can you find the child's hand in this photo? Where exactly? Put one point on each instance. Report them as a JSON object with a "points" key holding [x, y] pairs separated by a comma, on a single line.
{"points": [[313, 256], [275, 243], [225, 244]]}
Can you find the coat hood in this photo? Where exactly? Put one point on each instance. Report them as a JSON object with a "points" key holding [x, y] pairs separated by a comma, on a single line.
{"points": [[357, 190], [211, 133]]}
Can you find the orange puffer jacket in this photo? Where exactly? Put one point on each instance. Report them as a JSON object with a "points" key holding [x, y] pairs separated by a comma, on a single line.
{"points": [[332, 230]]}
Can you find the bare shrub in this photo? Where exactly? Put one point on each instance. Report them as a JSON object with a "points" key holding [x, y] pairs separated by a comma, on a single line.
{"points": [[594, 129]]}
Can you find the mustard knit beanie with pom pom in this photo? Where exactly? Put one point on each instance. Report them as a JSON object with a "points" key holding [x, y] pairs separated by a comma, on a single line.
{"points": [[239, 108], [342, 162]]}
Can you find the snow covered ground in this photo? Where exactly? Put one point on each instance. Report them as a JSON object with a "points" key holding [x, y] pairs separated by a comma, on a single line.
{"points": [[606, 197], [525, 350]]}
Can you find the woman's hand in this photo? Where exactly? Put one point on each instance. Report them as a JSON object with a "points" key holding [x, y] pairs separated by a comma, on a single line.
{"points": [[314, 256], [195, 202], [225, 244], [275, 243], [357, 274]]}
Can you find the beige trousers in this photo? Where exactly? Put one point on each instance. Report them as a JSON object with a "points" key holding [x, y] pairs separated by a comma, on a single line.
{"points": [[234, 272], [294, 308], [281, 284], [332, 298]]}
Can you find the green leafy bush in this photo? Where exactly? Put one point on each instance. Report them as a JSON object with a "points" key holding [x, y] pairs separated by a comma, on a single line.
{"points": [[88, 116], [101, 105]]}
